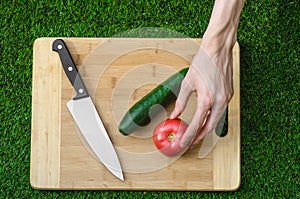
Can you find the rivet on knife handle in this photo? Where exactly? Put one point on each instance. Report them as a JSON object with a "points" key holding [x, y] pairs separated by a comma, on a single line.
{"points": [[70, 68]]}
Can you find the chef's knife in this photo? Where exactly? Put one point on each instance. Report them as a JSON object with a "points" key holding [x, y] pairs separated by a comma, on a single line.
{"points": [[86, 115]]}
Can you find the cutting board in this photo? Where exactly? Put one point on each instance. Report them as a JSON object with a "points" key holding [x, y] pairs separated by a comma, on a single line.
{"points": [[117, 73]]}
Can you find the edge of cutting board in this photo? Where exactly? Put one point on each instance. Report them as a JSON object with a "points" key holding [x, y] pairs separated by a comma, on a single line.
{"points": [[45, 138]]}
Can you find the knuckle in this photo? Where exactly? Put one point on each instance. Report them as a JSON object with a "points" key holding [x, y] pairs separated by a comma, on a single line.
{"points": [[206, 101], [221, 99]]}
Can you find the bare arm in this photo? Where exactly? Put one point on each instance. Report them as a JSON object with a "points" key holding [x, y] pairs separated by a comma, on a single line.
{"points": [[222, 28], [210, 74]]}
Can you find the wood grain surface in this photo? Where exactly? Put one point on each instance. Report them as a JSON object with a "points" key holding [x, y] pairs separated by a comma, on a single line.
{"points": [[118, 72]]}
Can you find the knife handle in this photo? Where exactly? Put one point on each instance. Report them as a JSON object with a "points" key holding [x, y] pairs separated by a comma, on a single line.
{"points": [[70, 68]]}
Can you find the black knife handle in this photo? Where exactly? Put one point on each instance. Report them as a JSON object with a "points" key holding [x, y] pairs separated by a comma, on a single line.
{"points": [[70, 68]]}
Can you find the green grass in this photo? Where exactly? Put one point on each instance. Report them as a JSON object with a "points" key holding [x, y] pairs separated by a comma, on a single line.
{"points": [[270, 82]]}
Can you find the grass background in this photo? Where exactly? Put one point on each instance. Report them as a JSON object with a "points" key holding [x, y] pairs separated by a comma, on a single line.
{"points": [[270, 82]]}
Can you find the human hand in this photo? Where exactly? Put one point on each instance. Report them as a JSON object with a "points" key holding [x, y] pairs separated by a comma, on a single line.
{"points": [[210, 76]]}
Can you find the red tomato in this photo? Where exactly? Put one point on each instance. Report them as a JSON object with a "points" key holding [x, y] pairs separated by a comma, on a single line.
{"points": [[167, 136]]}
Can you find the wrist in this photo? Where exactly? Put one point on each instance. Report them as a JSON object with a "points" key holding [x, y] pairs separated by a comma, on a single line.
{"points": [[219, 38], [221, 33]]}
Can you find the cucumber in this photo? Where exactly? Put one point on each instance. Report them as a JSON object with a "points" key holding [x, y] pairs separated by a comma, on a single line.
{"points": [[138, 115]]}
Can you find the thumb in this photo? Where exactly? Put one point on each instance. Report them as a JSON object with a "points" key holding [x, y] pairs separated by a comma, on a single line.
{"points": [[183, 96]]}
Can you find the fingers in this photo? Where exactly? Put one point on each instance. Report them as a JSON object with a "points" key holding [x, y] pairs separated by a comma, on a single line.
{"points": [[196, 123], [210, 124], [183, 96]]}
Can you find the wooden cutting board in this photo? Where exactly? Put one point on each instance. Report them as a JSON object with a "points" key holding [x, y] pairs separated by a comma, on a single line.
{"points": [[118, 72]]}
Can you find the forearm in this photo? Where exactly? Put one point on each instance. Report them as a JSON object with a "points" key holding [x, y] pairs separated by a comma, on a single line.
{"points": [[222, 28]]}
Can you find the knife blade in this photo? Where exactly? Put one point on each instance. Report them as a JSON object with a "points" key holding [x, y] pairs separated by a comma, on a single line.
{"points": [[86, 116]]}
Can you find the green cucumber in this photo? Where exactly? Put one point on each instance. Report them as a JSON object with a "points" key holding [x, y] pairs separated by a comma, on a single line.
{"points": [[138, 115]]}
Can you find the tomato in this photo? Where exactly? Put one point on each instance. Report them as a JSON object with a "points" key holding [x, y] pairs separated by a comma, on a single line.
{"points": [[167, 136]]}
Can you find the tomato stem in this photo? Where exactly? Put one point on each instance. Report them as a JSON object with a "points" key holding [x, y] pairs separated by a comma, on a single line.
{"points": [[171, 136]]}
